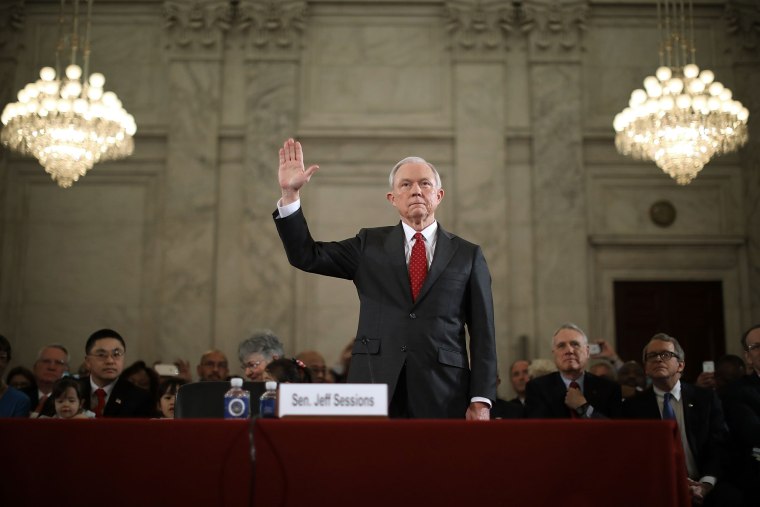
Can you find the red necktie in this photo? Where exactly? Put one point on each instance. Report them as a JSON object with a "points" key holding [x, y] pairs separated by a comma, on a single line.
{"points": [[417, 265], [101, 394], [41, 404], [573, 413]]}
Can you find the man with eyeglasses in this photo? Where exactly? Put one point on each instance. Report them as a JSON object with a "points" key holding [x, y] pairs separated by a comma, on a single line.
{"points": [[698, 414], [213, 366], [742, 405], [51, 364], [105, 391], [571, 392]]}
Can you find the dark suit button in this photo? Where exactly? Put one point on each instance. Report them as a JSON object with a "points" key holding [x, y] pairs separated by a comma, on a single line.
{"points": [[412, 316], [403, 348]]}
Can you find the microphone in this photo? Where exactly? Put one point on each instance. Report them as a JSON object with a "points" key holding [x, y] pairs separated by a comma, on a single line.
{"points": [[365, 341]]}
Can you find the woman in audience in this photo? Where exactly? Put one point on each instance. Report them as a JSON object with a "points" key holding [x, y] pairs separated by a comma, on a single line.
{"points": [[13, 403], [21, 378], [143, 376], [167, 396], [69, 403], [287, 371]]}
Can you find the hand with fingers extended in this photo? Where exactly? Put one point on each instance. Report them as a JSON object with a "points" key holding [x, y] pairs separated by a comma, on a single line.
{"points": [[292, 173]]}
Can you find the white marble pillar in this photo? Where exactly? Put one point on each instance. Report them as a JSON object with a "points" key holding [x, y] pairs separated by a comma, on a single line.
{"points": [[559, 199], [195, 33]]}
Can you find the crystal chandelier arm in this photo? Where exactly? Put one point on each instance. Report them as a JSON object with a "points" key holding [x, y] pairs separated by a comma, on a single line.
{"points": [[61, 40], [86, 43], [75, 34]]}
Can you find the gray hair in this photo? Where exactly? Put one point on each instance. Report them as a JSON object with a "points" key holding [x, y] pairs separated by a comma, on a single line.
{"points": [[414, 160], [263, 342], [665, 338], [53, 346], [572, 327]]}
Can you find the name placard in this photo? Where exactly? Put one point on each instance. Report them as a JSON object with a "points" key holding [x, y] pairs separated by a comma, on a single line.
{"points": [[333, 400]]}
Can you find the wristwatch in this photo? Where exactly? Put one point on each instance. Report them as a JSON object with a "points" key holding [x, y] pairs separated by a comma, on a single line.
{"points": [[581, 411]]}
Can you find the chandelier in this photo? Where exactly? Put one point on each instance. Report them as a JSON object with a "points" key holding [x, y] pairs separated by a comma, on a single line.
{"points": [[66, 120], [682, 117]]}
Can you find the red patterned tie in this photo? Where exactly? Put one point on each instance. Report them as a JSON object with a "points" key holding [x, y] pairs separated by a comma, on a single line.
{"points": [[101, 394], [417, 265]]}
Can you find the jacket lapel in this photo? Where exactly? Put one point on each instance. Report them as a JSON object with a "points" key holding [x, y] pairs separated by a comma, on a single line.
{"points": [[394, 249], [444, 251], [690, 415]]}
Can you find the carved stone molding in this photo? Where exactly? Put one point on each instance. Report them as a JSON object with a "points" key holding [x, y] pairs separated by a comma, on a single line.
{"points": [[197, 25], [743, 27], [12, 19], [481, 27], [555, 27], [271, 27]]}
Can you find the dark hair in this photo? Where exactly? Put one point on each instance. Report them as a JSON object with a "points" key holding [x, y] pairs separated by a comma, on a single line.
{"points": [[680, 354], [735, 361], [5, 346], [101, 334], [744, 336], [169, 386], [138, 366], [21, 370], [62, 384], [289, 370]]}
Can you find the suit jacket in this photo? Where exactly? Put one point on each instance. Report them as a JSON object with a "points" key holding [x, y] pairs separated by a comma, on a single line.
{"points": [[428, 335], [48, 409], [545, 397], [126, 400], [705, 427], [742, 404]]}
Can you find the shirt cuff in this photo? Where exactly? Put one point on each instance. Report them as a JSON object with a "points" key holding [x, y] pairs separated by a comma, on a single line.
{"points": [[481, 400], [289, 209], [709, 479]]}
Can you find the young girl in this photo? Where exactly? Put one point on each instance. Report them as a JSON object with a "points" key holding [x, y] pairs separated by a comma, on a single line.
{"points": [[67, 394], [167, 396]]}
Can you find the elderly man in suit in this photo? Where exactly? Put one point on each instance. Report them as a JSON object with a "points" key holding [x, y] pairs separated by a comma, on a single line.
{"points": [[697, 412], [571, 392], [419, 287], [106, 392]]}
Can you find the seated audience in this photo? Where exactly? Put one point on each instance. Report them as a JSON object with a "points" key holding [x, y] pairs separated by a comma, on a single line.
{"points": [[699, 417], [13, 403], [315, 362], [602, 367], [288, 371], [213, 366], [571, 392], [167, 396], [503, 409], [106, 392], [519, 376], [742, 404], [608, 352], [256, 352], [21, 378], [69, 402], [540, 367], [728, 369]]}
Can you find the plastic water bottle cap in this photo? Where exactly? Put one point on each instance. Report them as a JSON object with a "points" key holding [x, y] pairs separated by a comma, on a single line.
{"points": [[236, 382], [271, 385]]}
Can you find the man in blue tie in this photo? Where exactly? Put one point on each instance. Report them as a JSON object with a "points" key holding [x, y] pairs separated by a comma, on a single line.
{"points": [[696, 411]]}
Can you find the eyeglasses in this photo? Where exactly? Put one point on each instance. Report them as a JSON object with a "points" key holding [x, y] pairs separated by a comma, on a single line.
{"points": [[103, 355], [52, 362], [665, 355], [752, 347], [251, 366]]}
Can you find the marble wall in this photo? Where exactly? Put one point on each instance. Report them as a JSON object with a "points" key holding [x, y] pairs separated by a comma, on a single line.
{"points": [[175, 246]]}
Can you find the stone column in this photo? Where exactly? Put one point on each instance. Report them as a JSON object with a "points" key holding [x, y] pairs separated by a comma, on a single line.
{"points": [[742, 22], [271, 34], [195, 31], [559, 198], [12, 21], [477, 189]]}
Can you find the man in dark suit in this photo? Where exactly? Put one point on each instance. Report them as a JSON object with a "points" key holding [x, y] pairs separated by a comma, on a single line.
{"points": [[742, 404], [51, 364], [105, 391], [418, 292], [571, 392], [698, 414]]}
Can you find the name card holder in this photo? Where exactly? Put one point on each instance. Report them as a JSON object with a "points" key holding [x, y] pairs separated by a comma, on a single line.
{"points": [[332, 400]]}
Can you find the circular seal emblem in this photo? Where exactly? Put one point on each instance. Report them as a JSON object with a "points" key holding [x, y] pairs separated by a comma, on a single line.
{"points": [[236, 407]]}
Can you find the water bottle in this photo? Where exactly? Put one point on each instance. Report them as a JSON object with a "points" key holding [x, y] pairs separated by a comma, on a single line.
{"points": [[237, 401], [268, 401]]}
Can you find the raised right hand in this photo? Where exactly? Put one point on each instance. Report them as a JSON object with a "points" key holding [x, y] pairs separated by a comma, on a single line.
{"points": [[292, 174]]}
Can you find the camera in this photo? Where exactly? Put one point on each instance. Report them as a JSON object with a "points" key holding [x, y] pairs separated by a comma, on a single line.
{"points": [[594, 349]]}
